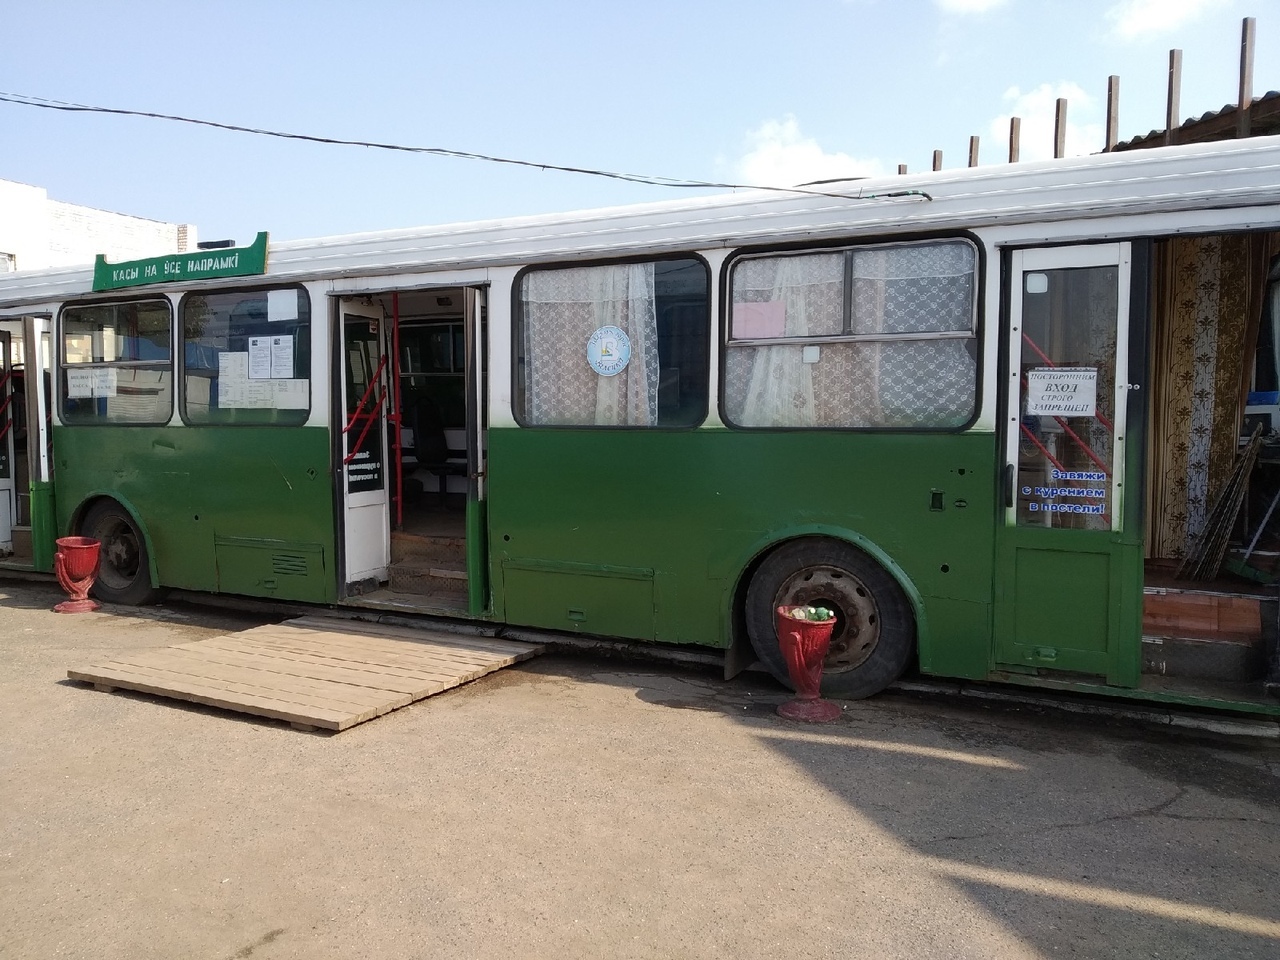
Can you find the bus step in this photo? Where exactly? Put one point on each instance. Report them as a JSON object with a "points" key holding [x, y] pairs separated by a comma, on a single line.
{"points": [[429, 578], [21, 542], [1205, 658], [415, 548]]}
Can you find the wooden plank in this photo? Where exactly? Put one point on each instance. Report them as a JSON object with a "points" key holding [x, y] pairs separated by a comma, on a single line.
{"points": [[366, 672], [373, 643], [313, 672], [387, 681], [164, 686], [431, 662], [338, 694], [370, 647], [213, 676], [302, 665], [493, 644]]}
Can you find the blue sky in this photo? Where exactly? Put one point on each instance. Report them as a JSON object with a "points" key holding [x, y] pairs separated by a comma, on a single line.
{"points": [[744, 92]]}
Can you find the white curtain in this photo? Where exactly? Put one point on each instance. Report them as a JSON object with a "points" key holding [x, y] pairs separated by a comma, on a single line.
{"points": [[810, 288], [562, 308]]}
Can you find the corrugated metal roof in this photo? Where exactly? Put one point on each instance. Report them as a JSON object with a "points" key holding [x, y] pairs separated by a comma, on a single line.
{"points": [[1264, 121]]}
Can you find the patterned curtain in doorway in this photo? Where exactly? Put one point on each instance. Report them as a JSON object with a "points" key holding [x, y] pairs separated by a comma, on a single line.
{"points": [[1208, 301]]}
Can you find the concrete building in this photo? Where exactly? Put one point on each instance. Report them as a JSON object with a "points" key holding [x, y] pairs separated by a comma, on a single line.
{"points": [[36, 232]]}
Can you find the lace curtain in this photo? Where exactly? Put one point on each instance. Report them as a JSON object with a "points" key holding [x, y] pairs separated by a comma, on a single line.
{"points": [[562, 308], [920, 288]]}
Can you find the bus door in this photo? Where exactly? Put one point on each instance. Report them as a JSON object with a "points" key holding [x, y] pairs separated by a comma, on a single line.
{"points": [[1068, 588], [364, 475], [8, 420]]}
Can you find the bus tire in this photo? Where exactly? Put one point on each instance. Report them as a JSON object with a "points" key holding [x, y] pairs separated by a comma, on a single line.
{"points": [[875, 633], [124, 570]]}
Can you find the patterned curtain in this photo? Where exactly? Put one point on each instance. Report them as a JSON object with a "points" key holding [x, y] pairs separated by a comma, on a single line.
{"points": [[562, 308], [1208, 300], [899, 290]]}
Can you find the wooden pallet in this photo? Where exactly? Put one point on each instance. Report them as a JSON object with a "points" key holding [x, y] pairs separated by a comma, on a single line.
{"points": [[312, 672]]}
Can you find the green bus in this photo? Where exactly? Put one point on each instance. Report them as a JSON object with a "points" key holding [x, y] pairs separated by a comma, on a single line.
{"points": [[984, 414]]}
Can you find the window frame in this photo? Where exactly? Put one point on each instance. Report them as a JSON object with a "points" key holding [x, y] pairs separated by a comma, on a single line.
{"points": [[180, 341], [63, 366], [976, 334], [517, 356]]}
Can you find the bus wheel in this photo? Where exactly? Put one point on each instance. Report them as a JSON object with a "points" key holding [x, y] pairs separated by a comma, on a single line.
{"points": [[124, 573], [874, 635]]}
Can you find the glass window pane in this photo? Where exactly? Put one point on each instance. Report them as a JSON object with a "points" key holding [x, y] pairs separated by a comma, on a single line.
{"points": [[1067, 397], [247, 357], [917, 288], [793, 296], [117, 363], [910, 384], [644, 326]]}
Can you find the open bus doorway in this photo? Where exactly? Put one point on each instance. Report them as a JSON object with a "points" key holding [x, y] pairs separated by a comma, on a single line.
{"points": [[413, 450], [26, 531]]}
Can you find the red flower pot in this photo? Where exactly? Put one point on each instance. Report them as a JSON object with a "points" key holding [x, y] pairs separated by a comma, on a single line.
{"points": [[76, 566], [804, 646]]}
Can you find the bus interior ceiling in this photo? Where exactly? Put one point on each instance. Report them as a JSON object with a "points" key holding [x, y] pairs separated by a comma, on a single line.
{"points": [[1212, 534]]}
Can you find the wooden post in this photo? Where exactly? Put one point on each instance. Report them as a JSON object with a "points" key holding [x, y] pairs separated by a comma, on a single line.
{"points": [[1245, 108], [1060, 129], [902, 168], [973, 151], [937, 159], [1015, 138], [1172, 109], [1113, 113]]}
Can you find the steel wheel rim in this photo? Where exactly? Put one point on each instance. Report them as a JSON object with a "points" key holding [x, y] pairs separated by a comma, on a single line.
{"points": [[857, 629], [119, 553]]}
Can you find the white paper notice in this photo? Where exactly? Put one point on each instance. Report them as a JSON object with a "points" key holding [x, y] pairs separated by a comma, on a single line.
{"points": [[282, 358], [282, 305], [292, 394], [1062, 391], [104, 382], [233, 379], [259, 395], [260, 358], [79, 384]]}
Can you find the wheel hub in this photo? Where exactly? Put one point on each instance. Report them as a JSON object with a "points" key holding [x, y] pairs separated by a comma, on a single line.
{"points": [[857, 628]]}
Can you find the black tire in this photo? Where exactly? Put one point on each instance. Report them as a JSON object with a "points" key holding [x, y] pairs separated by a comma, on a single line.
{"points": [[875, 632], [124, 571]]}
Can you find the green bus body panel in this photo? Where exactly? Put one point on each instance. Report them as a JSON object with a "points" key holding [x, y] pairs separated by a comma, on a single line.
{"points": [[44, 527], [224, 509], [647, 534]]}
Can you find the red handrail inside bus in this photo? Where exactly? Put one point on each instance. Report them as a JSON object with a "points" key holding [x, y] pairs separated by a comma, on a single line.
{"points": [[369, 417]]}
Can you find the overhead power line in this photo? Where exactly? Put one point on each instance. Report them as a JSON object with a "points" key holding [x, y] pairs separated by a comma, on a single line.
{"points": [[44, 104]]}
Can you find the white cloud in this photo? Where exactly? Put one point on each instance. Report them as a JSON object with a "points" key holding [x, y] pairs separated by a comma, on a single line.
{"points": [[779, 156], [1037, 109], [968, 6], [1134, 19]]}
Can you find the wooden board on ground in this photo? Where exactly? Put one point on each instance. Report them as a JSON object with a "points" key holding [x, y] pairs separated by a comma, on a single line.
{"points": [[312, 671]]}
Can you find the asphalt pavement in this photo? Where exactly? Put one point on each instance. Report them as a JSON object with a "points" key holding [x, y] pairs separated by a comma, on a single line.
{"points": [[580, 806]]}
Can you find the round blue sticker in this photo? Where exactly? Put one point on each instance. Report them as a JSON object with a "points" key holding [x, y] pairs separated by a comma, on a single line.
{"points": [[608, 351]]}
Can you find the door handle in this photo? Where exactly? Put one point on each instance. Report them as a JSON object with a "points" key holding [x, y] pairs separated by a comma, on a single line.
{"points": [[1009, 480]]}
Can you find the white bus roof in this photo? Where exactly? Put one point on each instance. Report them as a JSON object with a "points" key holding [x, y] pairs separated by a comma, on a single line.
{"points": [[1210, 176]]}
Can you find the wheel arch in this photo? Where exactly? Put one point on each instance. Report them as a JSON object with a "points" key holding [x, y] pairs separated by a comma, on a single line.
{"points": [[78, 514], [768, 544]]}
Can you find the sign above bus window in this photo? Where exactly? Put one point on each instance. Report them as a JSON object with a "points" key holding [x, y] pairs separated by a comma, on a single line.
{"points": [[178, 267]]}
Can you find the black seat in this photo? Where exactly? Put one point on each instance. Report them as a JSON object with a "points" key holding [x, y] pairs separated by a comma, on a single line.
{"points": [[431, 449]]}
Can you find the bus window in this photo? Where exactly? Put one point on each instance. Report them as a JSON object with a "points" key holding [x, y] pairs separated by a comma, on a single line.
{"points": [[116, 363], [878, 336], [246, 357], [614, 345]]}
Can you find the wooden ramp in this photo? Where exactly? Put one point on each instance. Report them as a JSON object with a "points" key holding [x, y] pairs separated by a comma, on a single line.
{"points": [[312, 672]]}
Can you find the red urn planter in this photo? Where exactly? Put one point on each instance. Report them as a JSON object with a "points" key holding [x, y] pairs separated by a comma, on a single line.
{"points": [[804, 646], [76, 565]]}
